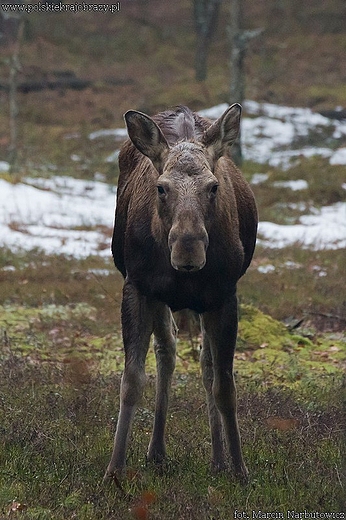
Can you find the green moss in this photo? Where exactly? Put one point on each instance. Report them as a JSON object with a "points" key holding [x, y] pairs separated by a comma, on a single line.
{"points": [[257, 328], [267, 354]]}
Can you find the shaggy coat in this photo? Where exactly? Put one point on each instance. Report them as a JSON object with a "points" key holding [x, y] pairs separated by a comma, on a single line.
{"points": [[139, 245]]}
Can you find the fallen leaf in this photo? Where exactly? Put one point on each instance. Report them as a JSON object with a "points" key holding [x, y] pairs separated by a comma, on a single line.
{"points": [[241, 356], [140, 512], [321, 354], [148, 497], [16, 506], [334, 348], [215, 497], [78, 370], [133, 474], [283, 425]]}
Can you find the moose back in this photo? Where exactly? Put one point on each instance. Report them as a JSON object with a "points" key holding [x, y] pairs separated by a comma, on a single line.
{"points": [[185, 232]]}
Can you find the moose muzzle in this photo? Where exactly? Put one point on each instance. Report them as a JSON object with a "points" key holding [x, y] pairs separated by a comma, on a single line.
{"points": [[188, 250]]}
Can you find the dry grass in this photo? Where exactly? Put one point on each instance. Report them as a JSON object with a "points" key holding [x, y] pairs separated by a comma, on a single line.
{"points": [[57, 434], [58, 406]]}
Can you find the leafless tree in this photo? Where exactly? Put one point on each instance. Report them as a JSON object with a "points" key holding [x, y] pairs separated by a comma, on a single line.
{"points": [[14, 65], [206, 13], [239, 40], [11, 35]]}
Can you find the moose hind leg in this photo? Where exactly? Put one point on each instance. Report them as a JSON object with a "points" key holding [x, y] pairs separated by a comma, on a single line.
{"points": [[137, 327], [221, 328], [165, 332]]}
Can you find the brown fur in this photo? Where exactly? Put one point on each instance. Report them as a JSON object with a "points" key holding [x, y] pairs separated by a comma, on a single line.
{"points": [[141, 252]]}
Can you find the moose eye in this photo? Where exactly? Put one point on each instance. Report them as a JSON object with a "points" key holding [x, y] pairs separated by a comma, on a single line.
{"points": [[214, 189], [160, 190]]}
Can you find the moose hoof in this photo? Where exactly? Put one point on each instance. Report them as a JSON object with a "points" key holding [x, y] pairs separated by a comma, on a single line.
{"points": [[242, 475], [218, 467], [114, 477], [155, 455]]}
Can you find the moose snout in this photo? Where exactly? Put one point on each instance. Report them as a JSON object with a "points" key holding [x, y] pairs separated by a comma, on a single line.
{"points": [[188, 251]]}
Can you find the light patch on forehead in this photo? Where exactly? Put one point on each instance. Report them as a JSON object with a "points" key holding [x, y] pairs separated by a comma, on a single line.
{"points": [[187, 158]]}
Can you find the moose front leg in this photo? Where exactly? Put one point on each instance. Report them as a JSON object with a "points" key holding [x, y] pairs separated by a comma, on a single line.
{"points": [[218, 459], [165, 332], [137, 326], [221, 329]]}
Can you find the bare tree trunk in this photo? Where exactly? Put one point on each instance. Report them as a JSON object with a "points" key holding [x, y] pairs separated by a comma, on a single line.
{"points": [[206, 13], [237, 85], [8, 27], [239, 40], [14, 68]]}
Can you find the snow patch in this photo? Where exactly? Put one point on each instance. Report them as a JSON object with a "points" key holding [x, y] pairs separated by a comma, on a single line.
{"points": [[295, 185], [326, 229], [4, 167], [58, 215], [338, 157], [268, 136], [118, 133]]}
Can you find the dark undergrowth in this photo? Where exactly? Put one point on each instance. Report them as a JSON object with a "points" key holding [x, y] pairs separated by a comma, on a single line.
{"points": [[56, 437]]}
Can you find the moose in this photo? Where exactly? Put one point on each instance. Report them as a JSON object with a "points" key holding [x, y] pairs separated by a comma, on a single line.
{"points": [[185, 232]]}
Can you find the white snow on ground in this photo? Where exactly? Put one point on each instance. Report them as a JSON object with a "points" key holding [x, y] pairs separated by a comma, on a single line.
{"points": [[4, 167], [118, 133], [74, 217], [59, 215], [268, 136], [324, 230], [338, 157], [299, 184]]}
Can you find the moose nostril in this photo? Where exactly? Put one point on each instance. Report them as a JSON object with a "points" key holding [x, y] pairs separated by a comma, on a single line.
{"points": [[187, 267]]}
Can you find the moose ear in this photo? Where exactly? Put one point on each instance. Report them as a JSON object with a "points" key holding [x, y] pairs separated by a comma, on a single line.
{"points": [[146, 136], [222, 134]]}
